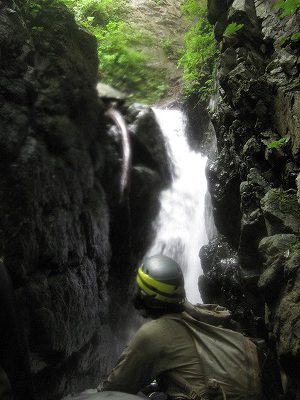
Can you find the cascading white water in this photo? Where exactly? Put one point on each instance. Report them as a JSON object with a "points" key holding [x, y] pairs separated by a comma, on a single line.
{"points": [[181, 226]]}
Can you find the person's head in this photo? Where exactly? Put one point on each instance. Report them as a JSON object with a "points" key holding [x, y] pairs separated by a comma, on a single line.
{"points": [[160, 286]]}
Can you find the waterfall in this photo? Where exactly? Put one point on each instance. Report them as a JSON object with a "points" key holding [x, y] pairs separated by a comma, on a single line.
{"points": [[180, 227]]}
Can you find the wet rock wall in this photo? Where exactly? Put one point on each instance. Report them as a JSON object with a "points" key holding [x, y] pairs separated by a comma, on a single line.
{"points": [[64, 234], [254, 180]]}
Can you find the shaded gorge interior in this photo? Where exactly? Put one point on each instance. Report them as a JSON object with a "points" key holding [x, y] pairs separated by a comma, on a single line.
{"points": [[72, 238]]}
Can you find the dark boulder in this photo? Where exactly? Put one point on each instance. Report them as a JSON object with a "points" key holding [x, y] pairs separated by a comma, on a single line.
{"points": [[281, 211], [216, 8], [280, 282], [253, 227], [223, 183], [148, 142], [222, 284]]}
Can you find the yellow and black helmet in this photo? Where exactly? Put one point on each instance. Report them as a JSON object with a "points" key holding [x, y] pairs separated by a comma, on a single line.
{"points": [[160, 280]]}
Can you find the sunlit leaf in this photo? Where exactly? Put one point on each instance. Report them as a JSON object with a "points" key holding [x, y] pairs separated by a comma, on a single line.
{"points": [[232, 28], [277, 143], [295, 36]]}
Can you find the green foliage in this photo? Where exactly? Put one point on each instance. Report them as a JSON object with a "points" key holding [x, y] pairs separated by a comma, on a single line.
{"points": [[283, 40], [287, 7], [232, 28], [37, 29], [95, 12], [276, 143], [30, 7], [123, 64], [295, 37], [167, 44], [200, 53]]}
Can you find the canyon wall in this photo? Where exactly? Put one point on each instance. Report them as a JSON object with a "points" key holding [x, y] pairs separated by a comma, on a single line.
{"points": [[253, 267], [66, 236]]}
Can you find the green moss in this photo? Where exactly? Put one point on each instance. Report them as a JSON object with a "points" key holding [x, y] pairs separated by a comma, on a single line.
{"points": [[293, 262], [295, 36], [287, 7], [284, 201]]}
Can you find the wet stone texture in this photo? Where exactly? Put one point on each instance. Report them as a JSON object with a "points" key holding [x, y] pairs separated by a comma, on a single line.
{"points": [[254, 181], [222, 282], [64, 234]]}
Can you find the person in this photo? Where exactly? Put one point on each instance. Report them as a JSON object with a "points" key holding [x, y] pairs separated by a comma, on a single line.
{"points": [[187, 349], [15, 375]]}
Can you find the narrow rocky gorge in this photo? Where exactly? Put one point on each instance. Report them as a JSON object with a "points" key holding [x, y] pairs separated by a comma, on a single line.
{"points": [[71, 243]]}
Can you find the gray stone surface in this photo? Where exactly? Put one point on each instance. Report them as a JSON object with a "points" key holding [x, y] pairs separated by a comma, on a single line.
{"points": [[286, 118], [64, 235], [54, 219], [258, 105], [242, 9], [222, 283], [280, 283], [215, 9], [108, 92], [253, 224], [281, 211], [298, 187]]}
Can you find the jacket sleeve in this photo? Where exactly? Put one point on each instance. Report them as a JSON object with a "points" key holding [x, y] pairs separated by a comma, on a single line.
{"points": [[137, 366]]}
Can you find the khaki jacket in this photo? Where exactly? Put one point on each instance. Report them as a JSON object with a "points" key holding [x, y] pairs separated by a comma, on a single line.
{"points": [[193, 349]]}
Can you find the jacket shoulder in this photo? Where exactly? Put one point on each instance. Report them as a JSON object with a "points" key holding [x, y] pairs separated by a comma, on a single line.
{"points": [[155, 328]]}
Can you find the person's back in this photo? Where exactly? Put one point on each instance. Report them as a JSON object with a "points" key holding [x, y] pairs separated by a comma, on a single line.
{"points": [[158, 345], [209, 358], [176, 348], [183, 348], [175, 351]]}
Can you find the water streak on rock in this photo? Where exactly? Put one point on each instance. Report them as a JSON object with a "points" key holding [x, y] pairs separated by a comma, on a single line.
{"points": [[118, 119]]}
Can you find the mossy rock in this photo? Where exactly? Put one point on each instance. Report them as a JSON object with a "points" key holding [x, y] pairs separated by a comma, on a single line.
{"points": [[280, 283], [281, 211], [278, 252], [278, 244]]}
